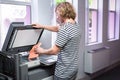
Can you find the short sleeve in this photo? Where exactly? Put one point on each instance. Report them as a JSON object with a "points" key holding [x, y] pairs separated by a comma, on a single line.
{"points": [[62, 38]]}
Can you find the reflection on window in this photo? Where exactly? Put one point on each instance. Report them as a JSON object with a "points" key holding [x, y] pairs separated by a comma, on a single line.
{"points": [[112, 20], [111, 28], [12, 13], [112, 5], [59, 1], [93, 4], [92, 28]]}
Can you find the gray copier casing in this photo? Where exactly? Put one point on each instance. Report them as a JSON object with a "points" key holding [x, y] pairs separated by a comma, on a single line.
{"points": [[14, 55]]}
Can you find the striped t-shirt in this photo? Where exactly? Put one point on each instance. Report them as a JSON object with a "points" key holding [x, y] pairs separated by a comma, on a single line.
{"points": [[68, 39]]}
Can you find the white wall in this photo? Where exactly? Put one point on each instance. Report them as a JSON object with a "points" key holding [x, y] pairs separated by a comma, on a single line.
{"points": [[80, 8]]}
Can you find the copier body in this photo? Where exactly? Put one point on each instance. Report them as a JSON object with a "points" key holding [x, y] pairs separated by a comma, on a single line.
{"points": [[14, 55]]}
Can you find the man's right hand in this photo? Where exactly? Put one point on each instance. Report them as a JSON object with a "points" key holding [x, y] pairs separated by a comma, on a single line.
{"points": [[37, 26]]}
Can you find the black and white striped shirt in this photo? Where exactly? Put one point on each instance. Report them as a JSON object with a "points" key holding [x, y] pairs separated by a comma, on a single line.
{"points": [[68, 39]]}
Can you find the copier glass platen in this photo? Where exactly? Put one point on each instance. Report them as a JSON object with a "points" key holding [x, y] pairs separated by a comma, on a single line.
{"points": [[19, 41]]}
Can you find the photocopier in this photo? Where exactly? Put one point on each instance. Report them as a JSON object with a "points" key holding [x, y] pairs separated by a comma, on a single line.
{"points": [[14, 62]]}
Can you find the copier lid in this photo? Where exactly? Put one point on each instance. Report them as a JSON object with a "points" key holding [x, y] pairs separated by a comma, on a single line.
{"points": [[21, 38]]}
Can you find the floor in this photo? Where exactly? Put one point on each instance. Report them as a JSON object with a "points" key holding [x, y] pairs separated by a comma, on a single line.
{"points": [[113, 74]]}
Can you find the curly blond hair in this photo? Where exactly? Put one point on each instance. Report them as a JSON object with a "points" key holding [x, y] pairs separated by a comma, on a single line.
{"points": [[66, 10]]}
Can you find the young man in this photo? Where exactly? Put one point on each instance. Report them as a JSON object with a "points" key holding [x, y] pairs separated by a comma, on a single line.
{"points": [[66, 44]]}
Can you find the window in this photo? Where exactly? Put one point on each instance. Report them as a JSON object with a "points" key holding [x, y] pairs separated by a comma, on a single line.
{"points": [[92, 28], [55, 2], [12, 13], [22, 0], [112, 19], [59, 1]]}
